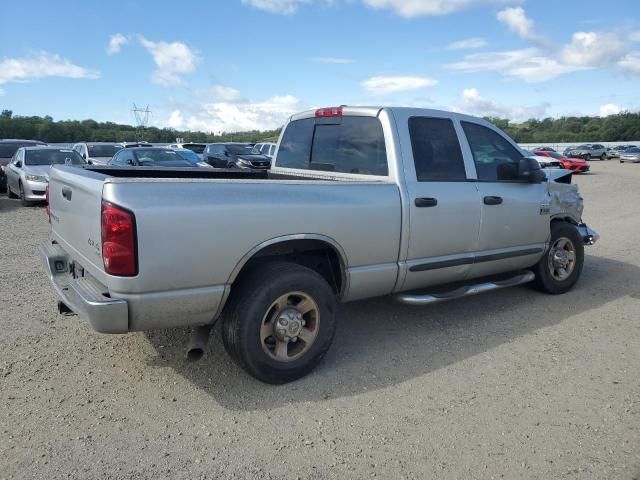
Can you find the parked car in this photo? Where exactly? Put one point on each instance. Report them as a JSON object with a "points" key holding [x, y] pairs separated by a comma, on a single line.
{"points": [[197, 148], [576, 165], [268, 149], [588, 152], [544, 149], [618, 150], [8, 148], [28, 172], [192, 157], [235, 155], [98, 153], [150, 157], [630, 155], [136, 144], [543, 160], [340, 217]]}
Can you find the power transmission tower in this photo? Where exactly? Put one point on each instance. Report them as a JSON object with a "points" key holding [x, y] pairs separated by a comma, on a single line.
{"points": [[142, 120]]}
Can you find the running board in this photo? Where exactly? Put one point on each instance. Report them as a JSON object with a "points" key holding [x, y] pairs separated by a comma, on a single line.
{"points": [[416, 298]]}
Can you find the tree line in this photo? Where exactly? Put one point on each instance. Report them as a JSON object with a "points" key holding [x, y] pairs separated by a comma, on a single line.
{"points": [[71, 131], [614, 128]]}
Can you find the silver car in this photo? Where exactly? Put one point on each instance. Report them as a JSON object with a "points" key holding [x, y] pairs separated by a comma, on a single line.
{"points": [[98, 153], [28, 172], [588, 152], [630, 155]]}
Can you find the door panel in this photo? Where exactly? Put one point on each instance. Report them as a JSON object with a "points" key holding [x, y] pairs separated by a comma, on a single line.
{"points": [[443, 237]]}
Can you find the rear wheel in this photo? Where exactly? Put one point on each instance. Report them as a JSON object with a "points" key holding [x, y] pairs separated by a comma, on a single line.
{"points": [[279, 322], [560, 267]]}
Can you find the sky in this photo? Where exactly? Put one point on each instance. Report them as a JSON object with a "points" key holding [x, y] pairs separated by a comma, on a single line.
{"points": [[234, 65]]}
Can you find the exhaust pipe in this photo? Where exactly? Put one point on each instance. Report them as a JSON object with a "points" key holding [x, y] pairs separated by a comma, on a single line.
{"points": [[198, 343]]}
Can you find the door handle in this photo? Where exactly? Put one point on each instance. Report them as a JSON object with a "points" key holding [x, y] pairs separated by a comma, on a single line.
{"points": [[491, 200], [426, 202], [66, 193]]}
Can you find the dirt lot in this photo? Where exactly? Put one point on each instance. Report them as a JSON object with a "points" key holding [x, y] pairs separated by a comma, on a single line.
{"points": [[511, 384]]}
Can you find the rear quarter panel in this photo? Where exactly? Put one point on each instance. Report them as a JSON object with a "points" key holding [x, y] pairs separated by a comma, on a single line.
{"points": [[194, 234]]}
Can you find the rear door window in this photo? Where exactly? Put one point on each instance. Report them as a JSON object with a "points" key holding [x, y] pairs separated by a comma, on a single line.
{"points": [[352, 145], [436, 150]]}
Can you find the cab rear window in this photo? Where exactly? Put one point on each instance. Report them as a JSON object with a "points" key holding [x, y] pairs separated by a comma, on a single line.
{"points": [[352, 145]]}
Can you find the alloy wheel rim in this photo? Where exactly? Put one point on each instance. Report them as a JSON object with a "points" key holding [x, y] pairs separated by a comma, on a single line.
{"points": [[562, 259], [290, 326]]}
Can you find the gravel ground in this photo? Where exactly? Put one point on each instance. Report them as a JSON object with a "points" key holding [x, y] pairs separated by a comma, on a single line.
{"points": [[510, 384]]}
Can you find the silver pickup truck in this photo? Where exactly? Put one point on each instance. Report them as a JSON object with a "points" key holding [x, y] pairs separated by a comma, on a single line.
{"points": [[361, 202]]}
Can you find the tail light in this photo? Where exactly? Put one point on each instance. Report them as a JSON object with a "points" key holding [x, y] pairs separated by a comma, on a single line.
{"points": [[46, 199], [329, 112], [119, 252]]}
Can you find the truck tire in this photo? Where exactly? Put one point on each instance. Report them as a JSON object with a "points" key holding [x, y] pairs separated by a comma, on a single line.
{"points": [[560, 267], [279, 321]]}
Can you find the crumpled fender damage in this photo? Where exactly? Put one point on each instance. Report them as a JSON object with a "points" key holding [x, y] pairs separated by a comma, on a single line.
{"points": [[565, 200]]}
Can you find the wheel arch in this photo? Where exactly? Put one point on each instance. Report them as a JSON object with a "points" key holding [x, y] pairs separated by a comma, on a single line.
{"points": [[297, 248]]}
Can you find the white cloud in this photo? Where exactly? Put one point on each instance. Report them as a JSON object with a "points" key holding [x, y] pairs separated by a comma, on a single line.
{"points": [[609, 109], [171, 59], [175, 120], [468, 44], [591, 49], [382, 85], [471, 102], [527, 64], [225, 116], [634, 36], [630, 63], [414, 8], [281, 7], [41, 65], [116, 42], [336, 60], [226, 94], [516, 19]]}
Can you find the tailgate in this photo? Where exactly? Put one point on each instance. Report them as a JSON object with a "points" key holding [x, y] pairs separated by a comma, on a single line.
{"points": [[75, 200]]}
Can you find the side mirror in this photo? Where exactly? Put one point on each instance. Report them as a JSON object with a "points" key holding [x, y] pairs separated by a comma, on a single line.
{"points": [[529, 170], [19, 164], [84, 155], [129, 162]]}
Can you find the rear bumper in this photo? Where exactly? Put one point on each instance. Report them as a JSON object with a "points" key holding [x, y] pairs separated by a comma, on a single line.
{"points": [[108, 311], [84, 295]]}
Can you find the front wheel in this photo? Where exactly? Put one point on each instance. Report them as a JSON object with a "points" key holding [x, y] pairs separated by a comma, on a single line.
{"points": [[23, 199], [587, 157], [279, 322], [560, 267], [603, 157]]}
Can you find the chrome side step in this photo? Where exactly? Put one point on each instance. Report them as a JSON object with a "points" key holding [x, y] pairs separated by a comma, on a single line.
{"points": [[414, 298]]}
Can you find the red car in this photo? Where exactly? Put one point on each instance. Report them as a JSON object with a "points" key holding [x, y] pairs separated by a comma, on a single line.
{"points": [[576, 165]]}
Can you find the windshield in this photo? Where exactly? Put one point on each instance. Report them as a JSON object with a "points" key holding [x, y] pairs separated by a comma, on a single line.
{"points": [[189, 155], [96, 151], [555, 155], [632, 150], [239, 149], [157, 155], [7, 150], [47, 156], [256, 149], [194, 147], [583, 147]]}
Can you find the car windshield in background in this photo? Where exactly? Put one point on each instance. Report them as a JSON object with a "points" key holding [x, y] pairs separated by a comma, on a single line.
{"points": [[189, 155], [157, 155], [7, 150], [96, 151], [197, 148], [239, 149], [48, 156], [555, 155], [632, 150], [256, 150], [583, 147]]}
